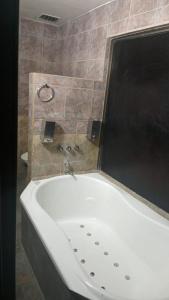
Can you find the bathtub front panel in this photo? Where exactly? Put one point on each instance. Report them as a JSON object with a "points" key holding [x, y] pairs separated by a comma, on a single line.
{"points": [[46, 273], [135, 145]]}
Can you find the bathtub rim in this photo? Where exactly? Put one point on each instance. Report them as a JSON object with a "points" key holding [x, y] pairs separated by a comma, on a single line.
{"points": [[78, 284]]}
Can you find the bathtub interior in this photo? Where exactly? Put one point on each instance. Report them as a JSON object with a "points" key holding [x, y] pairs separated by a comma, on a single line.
{"points": [[121, 251]]}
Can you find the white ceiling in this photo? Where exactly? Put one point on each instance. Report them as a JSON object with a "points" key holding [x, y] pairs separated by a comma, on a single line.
{"points": [[66, 9]]}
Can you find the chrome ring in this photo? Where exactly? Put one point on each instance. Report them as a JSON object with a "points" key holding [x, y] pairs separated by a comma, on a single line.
{"points": [[46, 86]]}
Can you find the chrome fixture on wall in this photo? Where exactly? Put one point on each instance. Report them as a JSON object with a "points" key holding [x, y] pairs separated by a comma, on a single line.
{"points": [[68, 149], [47, 131], [93, 131], [52, 94]]}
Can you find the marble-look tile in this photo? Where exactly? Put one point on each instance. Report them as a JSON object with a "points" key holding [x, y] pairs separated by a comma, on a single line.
{"points": [[22, 141], [84, 40], [52, 50], [45, 160], [86, 160], [90, 150], [30, 47], [66, 127], [23, 90], [118, 10], [162, 2], [43, 170], [70, 47], [54, 109], [63, 30], [23, 105], [98, 43], [50, 31], [98, 105], [28, 65], [142, 20], [80, 68], [82, 126], [86, 22], [99, 85], [40, 78], [100, 16], [118, 27], [37, 127], [141, 6], [51, 67], [82, 83], [29, 27], [78, 104], [95, 70], [162, 15], [68, 68], [84, 166], [73, 27]]}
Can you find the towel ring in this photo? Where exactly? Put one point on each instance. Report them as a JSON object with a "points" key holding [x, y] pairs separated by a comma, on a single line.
{"points": [[46, 86]]}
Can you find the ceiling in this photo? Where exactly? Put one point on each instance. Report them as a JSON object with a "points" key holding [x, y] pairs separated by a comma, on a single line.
{"points": [[65, 9]]}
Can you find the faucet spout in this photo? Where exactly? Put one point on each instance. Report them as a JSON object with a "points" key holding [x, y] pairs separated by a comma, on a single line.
{"points": [[68, 168]]}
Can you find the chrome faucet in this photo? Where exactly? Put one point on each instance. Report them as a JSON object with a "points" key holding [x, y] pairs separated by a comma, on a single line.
{"points": [[68, 168]]}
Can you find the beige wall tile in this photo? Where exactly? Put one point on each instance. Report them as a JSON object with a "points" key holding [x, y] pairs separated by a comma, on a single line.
{"points": [[80, 68], [54, 109], [98, 43], [141, 6], [78, 104], [28, 27], [82, 126], [117, 27], [82, 83], [100, 16], [66, 127], [98, 105], [52, 50], [84, 40], [95, 70], [162, 2], [51, 32], [143, 20], [118, 10], [163, 15], [31, 47]]}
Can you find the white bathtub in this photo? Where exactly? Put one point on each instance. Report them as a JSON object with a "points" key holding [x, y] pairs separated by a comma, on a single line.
{"points": [[111, 246]]}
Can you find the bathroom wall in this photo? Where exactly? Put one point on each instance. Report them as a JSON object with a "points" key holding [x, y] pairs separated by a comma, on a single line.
{"points": [[76, 101], [80, 48], [33, 57], [83, 41]]}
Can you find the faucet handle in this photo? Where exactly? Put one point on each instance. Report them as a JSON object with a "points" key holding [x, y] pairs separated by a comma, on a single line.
{"points": [[59, 148], [69, 149], [77, 148]]}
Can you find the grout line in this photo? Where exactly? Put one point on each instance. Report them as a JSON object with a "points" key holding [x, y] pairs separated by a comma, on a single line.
{"points": [[131, 1], [129, 15]]}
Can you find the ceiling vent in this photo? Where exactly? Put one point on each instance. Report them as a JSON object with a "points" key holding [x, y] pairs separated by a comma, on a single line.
{"points": [[49, 18]]}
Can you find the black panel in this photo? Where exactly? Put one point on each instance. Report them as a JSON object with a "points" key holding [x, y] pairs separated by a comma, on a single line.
{"points": [[135, 141], [9, 12]]}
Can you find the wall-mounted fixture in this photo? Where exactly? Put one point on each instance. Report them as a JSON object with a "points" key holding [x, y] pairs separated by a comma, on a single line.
{"points": [[49, 18], [93, 131], [47, 132], [50, 97], [67, 149]]}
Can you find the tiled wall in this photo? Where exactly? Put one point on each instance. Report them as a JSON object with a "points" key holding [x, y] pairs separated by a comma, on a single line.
{"points": [[33, 57], [76, 101], [80, 48], [82, 42]]}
